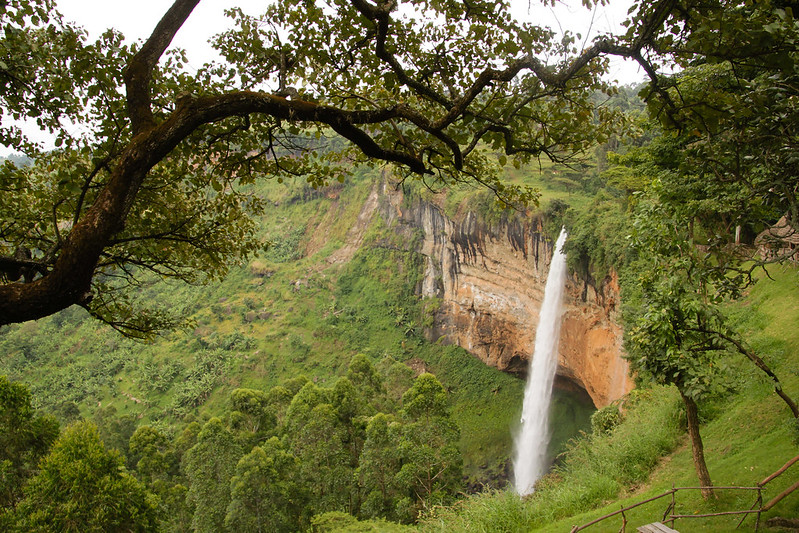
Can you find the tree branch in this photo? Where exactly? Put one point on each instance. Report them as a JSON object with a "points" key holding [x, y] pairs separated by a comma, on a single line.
{"points": [[140, 70], [759, 363]]}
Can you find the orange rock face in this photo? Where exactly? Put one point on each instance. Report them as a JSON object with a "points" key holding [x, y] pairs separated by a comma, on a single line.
{"points": [[490, 284], [590, 350]]}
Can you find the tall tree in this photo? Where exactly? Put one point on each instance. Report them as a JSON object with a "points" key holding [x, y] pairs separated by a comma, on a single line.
{"points": [[665, 346], [252, 416], [157, 464], [265, 496], [432, 466], [155, 187], [378, 467], [210, 465], [365, 377], [326, 469], [153, 453], [25, 437]]}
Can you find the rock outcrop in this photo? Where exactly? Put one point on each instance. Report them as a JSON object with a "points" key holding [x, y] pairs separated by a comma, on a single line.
{"points": [[490, 284]]}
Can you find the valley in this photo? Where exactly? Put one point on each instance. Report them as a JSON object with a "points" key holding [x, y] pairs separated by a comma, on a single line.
{"points": [[297, 286]]}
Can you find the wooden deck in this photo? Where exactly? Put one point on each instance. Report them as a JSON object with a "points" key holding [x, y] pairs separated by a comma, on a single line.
{"points": [[656, 527]]}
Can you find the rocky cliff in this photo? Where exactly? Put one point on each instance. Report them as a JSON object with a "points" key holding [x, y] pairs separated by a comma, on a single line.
{"points": [[490, 282]]}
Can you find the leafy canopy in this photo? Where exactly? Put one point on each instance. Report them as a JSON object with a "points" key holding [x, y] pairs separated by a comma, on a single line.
{"points": [[155, 182]]}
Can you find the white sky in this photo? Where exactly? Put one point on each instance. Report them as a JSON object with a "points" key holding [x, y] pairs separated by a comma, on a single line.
{"points": [[571, 15]]}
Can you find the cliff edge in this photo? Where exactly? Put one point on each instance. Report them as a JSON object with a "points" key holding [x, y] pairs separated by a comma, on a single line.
{"points": [[490, 279]]}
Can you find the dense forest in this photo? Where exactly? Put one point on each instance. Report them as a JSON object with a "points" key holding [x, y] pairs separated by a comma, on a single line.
{"points": [[190, 342]]}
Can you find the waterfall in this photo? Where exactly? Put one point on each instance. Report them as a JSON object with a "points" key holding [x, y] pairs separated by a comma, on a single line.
{"points": [[533, 437]]}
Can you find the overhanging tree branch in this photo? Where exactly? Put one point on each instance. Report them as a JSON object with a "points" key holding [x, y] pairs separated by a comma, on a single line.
{"points": [[420, 127], [139, 72], [759, 363]]}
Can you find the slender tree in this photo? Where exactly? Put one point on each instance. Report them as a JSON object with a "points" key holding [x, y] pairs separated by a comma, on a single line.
{"points": [[432, 466], [378, 467], [264, 493], [25, 437], [210, 465], [664, 346]]}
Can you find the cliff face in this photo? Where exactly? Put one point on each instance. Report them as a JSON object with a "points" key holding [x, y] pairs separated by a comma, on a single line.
{"points": [[590, 350], [490, 282]]}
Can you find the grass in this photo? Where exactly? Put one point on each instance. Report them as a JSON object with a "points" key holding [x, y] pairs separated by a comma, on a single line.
{"points": [[748, 434]]}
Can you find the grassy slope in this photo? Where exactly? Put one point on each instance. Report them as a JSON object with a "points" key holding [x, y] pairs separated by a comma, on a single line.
{"points": [[66, 350], [252, 331], [749, 434]]}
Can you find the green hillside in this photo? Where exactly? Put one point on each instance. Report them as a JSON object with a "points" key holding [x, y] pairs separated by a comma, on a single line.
{"points": [[748, 434], [288, 313], [222, 211]]}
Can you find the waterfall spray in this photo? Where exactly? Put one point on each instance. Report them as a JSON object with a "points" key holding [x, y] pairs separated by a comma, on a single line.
{"points": [[533, 437]]}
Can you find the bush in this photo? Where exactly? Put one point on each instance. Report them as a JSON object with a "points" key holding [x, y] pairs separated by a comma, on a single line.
{"points": [[338, 522], [285, 245], [605, 420]]}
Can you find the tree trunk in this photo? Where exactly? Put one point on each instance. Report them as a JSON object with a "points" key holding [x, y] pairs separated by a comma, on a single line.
{"points": [[702, 473]]}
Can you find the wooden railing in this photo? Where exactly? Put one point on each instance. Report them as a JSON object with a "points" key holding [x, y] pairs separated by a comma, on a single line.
{"points": [[670, 517]]}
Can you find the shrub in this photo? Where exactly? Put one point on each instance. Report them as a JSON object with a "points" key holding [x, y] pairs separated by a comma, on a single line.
{"points": [[604, 420]]}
